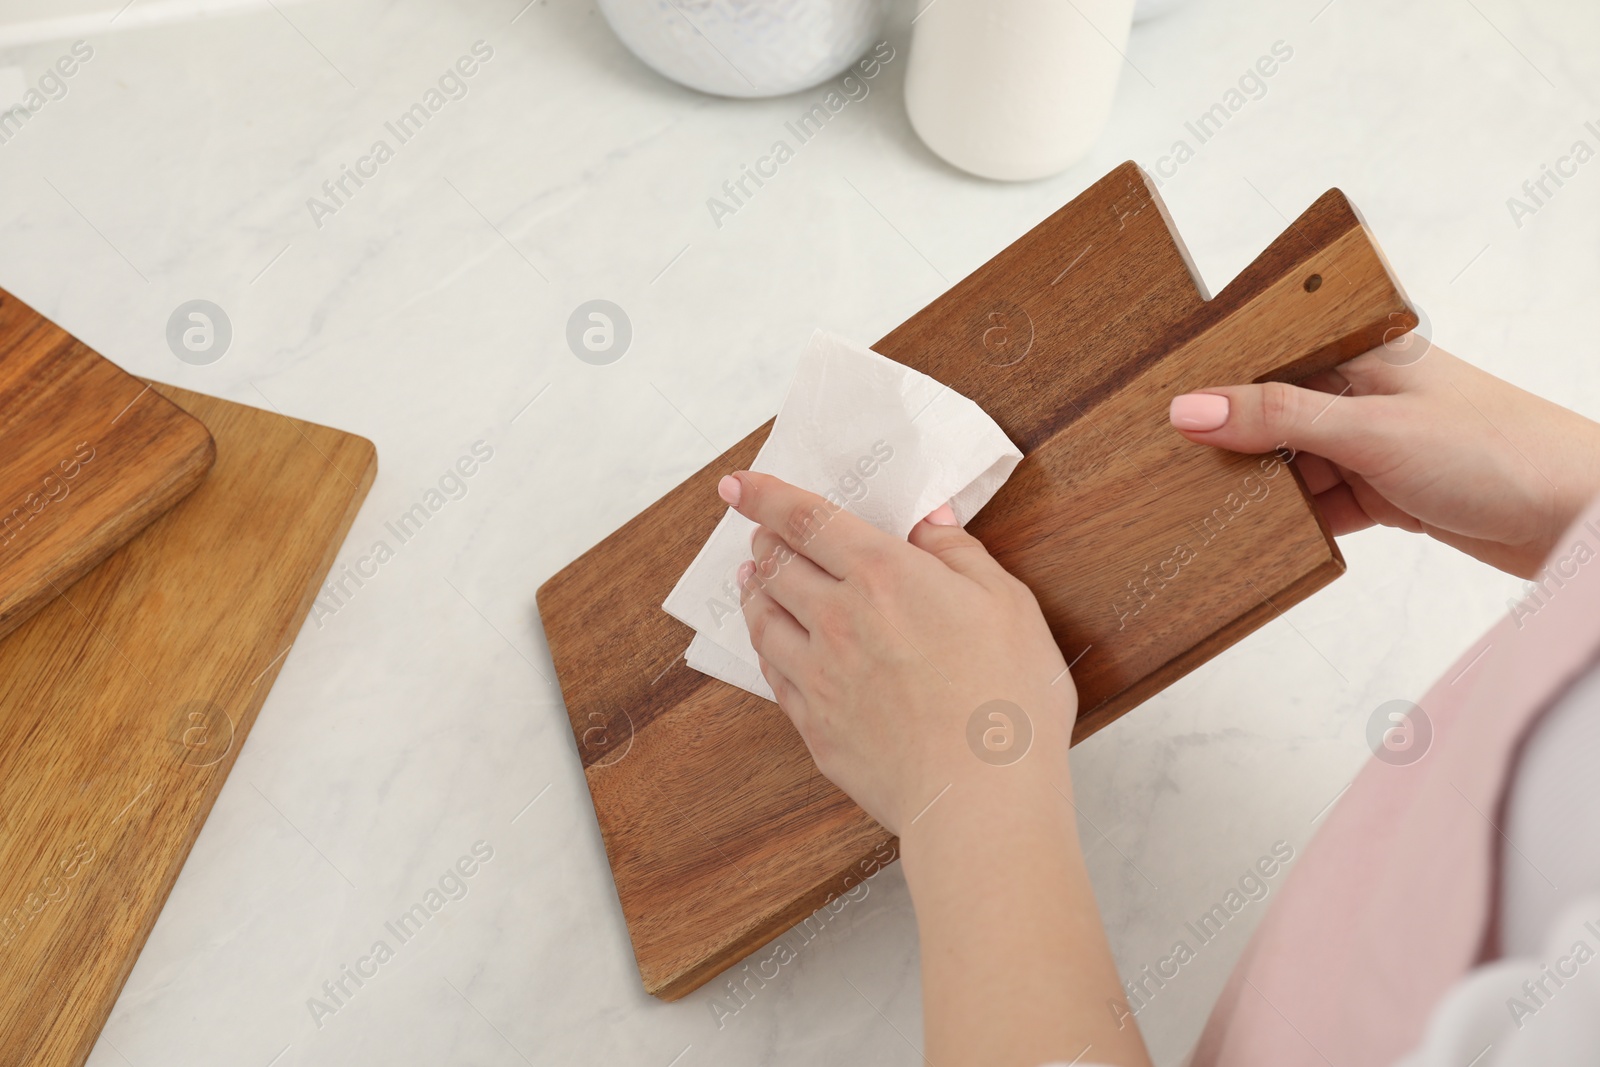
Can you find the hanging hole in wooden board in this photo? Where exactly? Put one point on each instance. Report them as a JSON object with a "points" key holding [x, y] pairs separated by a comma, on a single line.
{"points": [[1313, 283]]}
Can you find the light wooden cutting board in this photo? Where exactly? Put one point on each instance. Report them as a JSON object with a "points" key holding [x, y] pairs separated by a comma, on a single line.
{"points": [[124, 702], [1148, 554], [88, 455]]}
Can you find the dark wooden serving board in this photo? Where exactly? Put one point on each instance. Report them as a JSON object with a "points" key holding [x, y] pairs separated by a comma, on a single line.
{"points": [[720, 831], [124, 703], [88, 456]]}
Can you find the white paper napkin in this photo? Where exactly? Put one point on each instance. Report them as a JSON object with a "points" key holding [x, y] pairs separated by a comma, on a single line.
{"points": [[886, 442]]}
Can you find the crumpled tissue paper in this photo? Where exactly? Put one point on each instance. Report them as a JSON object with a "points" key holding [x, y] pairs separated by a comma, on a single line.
{"points": [[885, 442]]}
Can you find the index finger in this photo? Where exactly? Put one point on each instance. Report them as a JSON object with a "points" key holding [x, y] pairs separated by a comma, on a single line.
{"points": [[823, 532]]}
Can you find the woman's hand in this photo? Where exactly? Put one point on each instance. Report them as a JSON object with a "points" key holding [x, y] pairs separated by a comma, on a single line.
{"points": [[881, 650], [887, 655], [1436, 446]]}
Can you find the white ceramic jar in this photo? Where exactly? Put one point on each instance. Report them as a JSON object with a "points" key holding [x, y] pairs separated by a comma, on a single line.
{"points": [[1015, 89], [747, 47], [1144, 10]]}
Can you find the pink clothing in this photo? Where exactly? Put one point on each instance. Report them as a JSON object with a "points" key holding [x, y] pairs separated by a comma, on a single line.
{"points": [[1395, 900]]}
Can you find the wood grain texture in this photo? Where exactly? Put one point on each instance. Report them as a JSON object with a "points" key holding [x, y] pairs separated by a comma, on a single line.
{"points": [[88, 457], [1149, 555], [125, 700]]}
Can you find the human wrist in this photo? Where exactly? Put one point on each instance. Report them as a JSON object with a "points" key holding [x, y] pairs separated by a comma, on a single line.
{"points": [[1582, 485], [989, 816]]}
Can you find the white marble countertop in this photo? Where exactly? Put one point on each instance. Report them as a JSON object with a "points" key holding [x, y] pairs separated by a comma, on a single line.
{"points": [[428, 313]]}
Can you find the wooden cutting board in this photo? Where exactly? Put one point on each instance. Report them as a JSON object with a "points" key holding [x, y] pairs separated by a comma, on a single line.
{"points": [[88, 456], [1148, 554], [125, 700]]}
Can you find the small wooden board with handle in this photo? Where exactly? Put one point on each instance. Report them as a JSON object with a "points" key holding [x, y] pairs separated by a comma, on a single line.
{"points": [[88, 456], [1148, 554], [125, 700]]}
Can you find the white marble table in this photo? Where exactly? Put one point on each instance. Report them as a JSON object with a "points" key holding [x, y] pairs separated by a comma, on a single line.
{"points": [[428, 313]]}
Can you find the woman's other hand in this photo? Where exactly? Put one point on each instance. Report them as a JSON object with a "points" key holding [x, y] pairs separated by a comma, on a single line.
{"points": [[1437, 447]]}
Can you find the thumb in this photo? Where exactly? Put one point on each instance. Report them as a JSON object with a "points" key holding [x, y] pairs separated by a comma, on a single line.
{"points": [[1269, 415], [940, 536]]}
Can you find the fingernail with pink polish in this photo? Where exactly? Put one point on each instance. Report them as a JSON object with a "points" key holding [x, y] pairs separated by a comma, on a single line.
{"points": [[729, 489], [1199, 411], [943, 515]]}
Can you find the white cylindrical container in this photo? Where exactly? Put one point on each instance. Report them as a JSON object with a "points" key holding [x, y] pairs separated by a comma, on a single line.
{"points": [[1015, 89]]}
